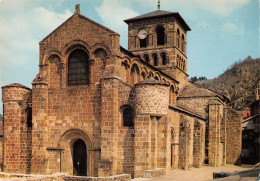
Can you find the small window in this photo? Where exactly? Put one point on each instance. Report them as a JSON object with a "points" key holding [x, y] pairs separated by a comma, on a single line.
{"points": [[78, 68], [29, 117], [155, 59], [128, 116], [146, 58], [164, 58]]}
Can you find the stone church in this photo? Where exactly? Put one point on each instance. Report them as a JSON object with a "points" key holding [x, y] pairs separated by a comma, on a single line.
{"points": [[98, 109]]}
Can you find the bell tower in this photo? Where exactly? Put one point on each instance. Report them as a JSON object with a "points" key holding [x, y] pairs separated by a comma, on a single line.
{"points": [[160, 38]]}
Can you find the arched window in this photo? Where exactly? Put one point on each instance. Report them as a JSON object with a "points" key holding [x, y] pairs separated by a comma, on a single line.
{"points": [[164, 58], [135, 76], [155, 59], [182, 44], [156, 78], [128, 116], [178, 38], [146, 58], [160, 31], [78, 72], [100, 53]]}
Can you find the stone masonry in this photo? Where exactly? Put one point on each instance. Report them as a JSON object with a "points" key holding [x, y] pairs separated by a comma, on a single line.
{"points": [[97, 109]]}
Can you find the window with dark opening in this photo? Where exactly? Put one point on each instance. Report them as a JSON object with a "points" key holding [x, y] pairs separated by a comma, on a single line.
{"points": [[128, 116], [78, 72], [146, 58], [160, 31], [143, 43], [29, 117], [164, 58], [155, 59]]}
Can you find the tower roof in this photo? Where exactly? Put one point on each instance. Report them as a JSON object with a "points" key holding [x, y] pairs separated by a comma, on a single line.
{"points": [[159, 13]]}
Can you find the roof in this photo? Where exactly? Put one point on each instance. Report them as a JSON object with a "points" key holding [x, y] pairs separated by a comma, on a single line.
{"points": [[159, 13], [250, 118], [194, 90], [151, 81], [83, 17], [16, 85]]}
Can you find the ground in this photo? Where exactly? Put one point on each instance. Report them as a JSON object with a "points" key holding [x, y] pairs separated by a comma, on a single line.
{"points": [[198, 174]]}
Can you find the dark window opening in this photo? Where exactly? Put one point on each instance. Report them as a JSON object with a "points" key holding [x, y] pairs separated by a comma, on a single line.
{"points": [[155, 59], [164, 59], [128, 116], [78, 68], [146, 58], [156, 78], [160, 31], [143, 43], [29, 117]]}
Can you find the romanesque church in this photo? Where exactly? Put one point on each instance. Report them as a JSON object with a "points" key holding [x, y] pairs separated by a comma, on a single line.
{"points": [[98, 109]]}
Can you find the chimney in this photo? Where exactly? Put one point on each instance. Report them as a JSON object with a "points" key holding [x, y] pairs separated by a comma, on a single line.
{"points": [[77, 8]]}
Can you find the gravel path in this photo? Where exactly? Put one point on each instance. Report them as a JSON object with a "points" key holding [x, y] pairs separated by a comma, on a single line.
{"points": [[196, 174]]}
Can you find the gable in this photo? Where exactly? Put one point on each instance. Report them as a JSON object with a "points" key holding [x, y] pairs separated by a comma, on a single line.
{"points": [[78, 24]]}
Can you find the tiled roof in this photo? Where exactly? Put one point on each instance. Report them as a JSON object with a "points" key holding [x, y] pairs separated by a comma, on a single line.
{"points": [[16, 85], [159, 13], [151, 14], [194, 90]]}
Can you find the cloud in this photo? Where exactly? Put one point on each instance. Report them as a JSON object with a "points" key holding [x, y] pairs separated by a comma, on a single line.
{"points": [[21, 34], [233, 28], [220, 7], [113, 12]]}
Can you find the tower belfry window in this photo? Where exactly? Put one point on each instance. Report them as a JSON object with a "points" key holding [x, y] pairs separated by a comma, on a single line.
{"points": [[143, 43], [155, 59], [160, 31]]}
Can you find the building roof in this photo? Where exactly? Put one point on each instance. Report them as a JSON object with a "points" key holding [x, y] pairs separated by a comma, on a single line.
{"points": [[151, 81], [16, 85], [192, 90], [84, 18], [159, 13], [250, 118]]}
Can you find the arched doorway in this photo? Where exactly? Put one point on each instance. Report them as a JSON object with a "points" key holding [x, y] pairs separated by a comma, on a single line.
{"points": [[79, 158], [77, 145]]}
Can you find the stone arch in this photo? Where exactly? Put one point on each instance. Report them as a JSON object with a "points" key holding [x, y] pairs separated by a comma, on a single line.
{"points": [[134, 74], [100, 46], [151, 75], [51, 53], [69, 47], [156, 74], [66, 142], [163, 80], [143, 76], [171, 94]]}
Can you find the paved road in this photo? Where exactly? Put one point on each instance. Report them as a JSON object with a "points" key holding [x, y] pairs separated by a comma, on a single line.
{"points": [[199, 174]]}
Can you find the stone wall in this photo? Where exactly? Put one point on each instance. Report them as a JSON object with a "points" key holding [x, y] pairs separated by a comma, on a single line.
{"points": [[234, 136]]}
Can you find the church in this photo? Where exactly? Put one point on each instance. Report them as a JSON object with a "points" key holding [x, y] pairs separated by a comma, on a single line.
{"points": [[98, 109]]}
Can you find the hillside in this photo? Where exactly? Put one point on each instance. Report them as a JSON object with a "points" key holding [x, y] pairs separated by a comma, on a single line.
{"points": [[238, 83]]}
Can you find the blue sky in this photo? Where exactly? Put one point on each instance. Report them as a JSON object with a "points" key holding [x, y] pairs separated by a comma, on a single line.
{"points": [[223, 31]]}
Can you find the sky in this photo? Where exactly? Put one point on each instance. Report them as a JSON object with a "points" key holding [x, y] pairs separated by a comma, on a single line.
{"points": [[223, 31]]}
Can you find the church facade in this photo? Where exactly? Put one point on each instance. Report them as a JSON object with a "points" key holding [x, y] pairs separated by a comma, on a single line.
{"points": [[97, 109]]}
